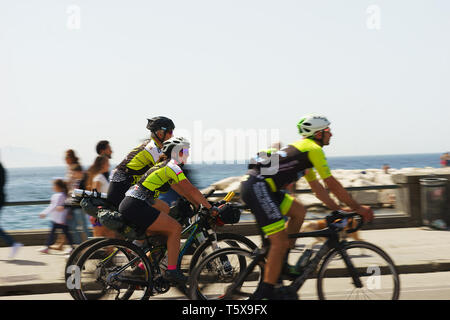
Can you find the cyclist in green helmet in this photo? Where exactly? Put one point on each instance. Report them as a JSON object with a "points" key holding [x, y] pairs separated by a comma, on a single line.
{"points": [[262, 190]]}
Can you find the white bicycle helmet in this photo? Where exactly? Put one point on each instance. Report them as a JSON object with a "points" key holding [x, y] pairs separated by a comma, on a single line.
{"points": [[311, 124], [175, 142]]}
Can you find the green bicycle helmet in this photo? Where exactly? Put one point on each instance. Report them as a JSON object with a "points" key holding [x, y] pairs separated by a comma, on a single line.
{"points": [[311, 124]]}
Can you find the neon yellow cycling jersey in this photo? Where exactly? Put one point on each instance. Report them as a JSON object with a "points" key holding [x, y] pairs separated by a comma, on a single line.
{"points": [[162, 174], [287, 165], [160, 177], [140, 159], [316, 157]]}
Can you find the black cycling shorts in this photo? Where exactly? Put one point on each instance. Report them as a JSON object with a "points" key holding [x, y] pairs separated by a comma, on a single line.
{"points": [[116, 192], [268, 207], [138, 212]]}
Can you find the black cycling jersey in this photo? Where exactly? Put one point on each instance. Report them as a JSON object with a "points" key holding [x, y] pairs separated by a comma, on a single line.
{"points": [[287, 165]]}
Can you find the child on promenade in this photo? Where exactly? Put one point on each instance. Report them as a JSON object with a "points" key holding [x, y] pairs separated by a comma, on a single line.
{"points": [[58, 214]]}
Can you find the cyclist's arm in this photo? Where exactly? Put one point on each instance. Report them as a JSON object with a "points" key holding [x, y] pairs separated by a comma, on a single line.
{"points": [[338, 190], [322, 194], [183, 186], [191, 193]]}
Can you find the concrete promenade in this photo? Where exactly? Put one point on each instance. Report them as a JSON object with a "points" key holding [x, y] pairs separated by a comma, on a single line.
{"points": [[414, 250]]}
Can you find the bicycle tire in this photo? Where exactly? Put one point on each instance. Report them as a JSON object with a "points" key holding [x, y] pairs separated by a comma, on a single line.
{"points": [[376, 271], [73, 258], [231, 239], [210, 281], [97, 252]]}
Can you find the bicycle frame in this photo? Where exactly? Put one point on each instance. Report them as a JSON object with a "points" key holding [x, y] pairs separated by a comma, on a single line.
{"points": [[332, 242], [192, 230]]}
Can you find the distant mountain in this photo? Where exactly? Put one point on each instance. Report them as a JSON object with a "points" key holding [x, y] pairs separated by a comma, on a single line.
{"points": [[16, 157]]}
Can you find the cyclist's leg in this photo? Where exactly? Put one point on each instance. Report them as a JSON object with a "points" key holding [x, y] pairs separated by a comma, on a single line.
{"points": [[169, 227], [279, 244], [296, 213], [265, 206], [172, 229]]}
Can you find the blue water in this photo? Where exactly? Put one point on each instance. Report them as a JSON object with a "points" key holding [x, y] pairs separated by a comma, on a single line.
{"points": [[28, 184]]}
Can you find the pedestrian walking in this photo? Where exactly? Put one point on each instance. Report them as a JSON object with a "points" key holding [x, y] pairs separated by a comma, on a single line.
{"points": [[77, 219], [15, 246]]}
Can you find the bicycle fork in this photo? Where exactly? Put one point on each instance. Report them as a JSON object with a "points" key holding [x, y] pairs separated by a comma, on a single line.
{"points": [[350, 267], [224, 265]]}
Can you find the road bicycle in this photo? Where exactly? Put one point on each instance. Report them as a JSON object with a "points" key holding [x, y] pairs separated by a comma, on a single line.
{"points": [[343, 269], [120, 269]]}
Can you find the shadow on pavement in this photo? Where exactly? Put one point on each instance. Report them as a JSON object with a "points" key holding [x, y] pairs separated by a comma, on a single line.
{"points": [[24, 262]]}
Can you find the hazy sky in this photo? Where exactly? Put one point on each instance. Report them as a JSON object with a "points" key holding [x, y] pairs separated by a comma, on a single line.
{"points": [[227, 72]]}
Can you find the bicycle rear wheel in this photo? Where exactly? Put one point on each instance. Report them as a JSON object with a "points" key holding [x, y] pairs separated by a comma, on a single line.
{"points": [[72, 261], [375, 275], [110, 269], [224, 270]]}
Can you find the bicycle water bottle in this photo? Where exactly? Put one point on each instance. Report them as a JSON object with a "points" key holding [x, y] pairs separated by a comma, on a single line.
{"points": [[304, 259]]}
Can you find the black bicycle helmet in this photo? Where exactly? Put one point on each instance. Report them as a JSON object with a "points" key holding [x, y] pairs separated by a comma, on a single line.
{"points": [[160, 123]]}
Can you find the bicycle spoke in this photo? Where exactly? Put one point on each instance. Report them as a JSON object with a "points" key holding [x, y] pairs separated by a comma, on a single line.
{"points": [[213, 279], [374, 270], [117, 276]]}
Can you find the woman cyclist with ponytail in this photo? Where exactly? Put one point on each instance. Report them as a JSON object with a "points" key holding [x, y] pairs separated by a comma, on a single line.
{"points": [[142, 207]]}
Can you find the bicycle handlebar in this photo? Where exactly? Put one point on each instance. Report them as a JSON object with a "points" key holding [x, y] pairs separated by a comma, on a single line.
{"points": [[344, 216], [210, 193]]}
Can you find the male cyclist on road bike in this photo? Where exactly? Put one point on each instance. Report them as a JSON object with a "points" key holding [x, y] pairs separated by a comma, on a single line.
{"points": [[262, 191], [140, 159], [142, 207]]}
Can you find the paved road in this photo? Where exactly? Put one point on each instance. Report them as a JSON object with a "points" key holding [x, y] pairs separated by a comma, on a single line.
{"points": [[422, 286], [414, 250]]}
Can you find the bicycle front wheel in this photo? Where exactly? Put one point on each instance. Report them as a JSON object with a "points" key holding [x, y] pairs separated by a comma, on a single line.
{"points": [[223, 274], [224, 240], [113, 269], [361, 271]]}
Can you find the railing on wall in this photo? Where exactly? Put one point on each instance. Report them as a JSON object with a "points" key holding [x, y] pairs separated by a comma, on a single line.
{"points": [[218, 194]]}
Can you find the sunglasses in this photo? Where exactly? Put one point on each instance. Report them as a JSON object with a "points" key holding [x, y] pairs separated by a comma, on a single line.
{"points": [[186, 152]]}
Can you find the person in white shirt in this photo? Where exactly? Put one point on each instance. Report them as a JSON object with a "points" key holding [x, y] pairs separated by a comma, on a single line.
{"points": [[58, 214], [96, 180], [100, 182]]}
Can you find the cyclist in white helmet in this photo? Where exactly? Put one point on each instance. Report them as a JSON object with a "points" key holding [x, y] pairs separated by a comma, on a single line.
{"points": [[263, 190], [142, 207]]}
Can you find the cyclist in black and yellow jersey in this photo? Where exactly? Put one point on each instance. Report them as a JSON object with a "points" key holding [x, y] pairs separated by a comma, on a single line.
{"points": [[142, 207], [262, 190], [140, 159]]}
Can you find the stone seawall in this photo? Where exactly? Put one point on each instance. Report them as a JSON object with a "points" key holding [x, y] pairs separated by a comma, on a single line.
{"points": [[404, 203]]}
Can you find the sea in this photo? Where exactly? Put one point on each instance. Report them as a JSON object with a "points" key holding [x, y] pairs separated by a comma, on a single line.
{"points": [[31, 184]]}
